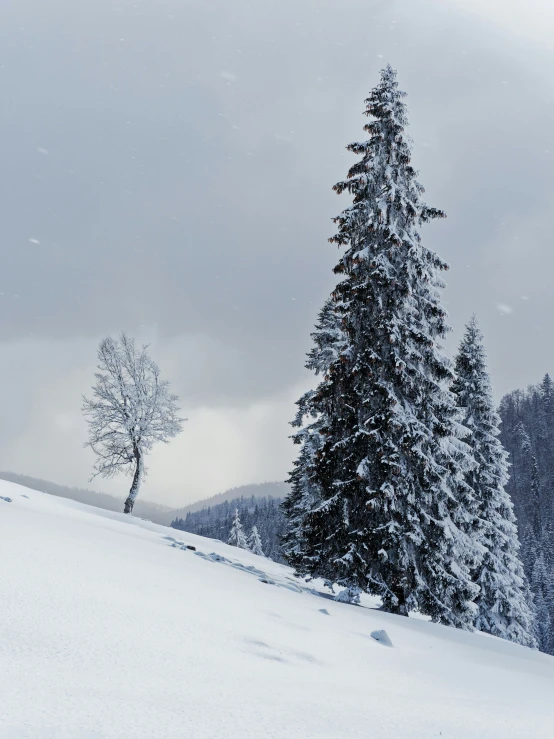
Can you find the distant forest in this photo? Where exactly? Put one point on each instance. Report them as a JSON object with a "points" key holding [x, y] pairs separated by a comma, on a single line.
{"points": [[527, 433], [215, 522]]}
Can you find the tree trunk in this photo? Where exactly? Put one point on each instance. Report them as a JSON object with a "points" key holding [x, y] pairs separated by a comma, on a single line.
{"points": [[399, 608], [137, 479]]}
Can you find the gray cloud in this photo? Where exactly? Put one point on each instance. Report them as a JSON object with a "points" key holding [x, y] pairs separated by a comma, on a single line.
{"points": [[167, 169]]}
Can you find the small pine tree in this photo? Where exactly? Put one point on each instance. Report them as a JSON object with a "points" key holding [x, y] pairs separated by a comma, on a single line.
{"points": [[255, 543], [541, 584], [236, 535], [503, 608], [388, 466], [547, 394]]}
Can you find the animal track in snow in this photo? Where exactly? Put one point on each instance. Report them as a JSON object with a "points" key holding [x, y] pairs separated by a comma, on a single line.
{"points": [[280, 582]]}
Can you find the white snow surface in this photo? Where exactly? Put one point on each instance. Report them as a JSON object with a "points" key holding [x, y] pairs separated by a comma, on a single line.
{"points": [[108, 628]]}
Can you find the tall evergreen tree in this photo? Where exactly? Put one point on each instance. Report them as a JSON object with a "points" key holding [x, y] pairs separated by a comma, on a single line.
{"points": [[537, 561], [503, 607], [390, 473], [237, 537], [535, 499], [547, 396], [529, 482], [529, 552]]}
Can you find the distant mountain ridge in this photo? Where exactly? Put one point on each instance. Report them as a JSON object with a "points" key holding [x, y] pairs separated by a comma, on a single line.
{"points": [[143, 508], [254, 490], [156, 512]]}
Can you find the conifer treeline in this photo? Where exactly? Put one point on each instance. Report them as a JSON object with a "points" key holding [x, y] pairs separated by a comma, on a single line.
{"points": [[399, 486], [262, 513], [528, 435]]}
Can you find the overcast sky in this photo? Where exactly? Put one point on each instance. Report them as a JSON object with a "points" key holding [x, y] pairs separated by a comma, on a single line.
{"points": [[166, 168]]}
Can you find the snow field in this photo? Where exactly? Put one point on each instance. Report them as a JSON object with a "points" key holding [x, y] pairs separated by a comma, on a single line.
{"points": [[108, 628]]}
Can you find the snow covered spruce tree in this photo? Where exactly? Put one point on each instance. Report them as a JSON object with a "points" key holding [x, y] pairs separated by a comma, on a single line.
{"points": [[130, 410], [237, 537], [394, 507], [310, 420], [543, 591], [535, 550], [504, 600], [255, 543]]}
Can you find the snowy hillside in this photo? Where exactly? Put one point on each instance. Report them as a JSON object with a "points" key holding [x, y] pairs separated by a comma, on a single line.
{"points": [[112, 629]]}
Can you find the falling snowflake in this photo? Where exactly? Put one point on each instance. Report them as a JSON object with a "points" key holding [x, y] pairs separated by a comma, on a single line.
{"points": [[504, 309]]}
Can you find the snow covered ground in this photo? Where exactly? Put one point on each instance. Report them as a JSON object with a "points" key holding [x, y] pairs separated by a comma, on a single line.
{"points": [[109, 628]]}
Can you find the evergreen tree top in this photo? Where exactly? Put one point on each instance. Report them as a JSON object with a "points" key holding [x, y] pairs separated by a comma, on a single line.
{"points": [[473, 389], [472, 357], [384, 186], [523, 438], [473, 386], [547, 393]]}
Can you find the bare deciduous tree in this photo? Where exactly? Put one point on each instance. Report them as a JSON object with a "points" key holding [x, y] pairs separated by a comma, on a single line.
{"points": [[130, 410]]}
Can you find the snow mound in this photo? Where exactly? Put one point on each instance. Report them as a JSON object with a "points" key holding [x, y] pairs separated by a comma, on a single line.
{"points": [[382, 637], [115, 628]]}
